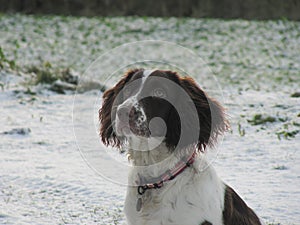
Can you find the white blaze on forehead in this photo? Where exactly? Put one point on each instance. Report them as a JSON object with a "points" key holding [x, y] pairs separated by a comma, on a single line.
{"points": [[133, 100], [146, 73]]}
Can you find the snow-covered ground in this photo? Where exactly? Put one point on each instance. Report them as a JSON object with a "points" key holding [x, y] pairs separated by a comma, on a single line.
{"points": [[51, 161]]}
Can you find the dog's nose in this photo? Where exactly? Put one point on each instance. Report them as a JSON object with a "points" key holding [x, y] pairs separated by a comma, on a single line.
{"points": [[123, 113]]}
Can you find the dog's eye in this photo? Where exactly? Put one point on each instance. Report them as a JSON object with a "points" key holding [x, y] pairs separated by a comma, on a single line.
{"points": [[159, 92]]}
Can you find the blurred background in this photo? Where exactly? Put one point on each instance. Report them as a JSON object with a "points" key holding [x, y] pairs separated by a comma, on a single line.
{"points": [[48, 48], [248, 9]]}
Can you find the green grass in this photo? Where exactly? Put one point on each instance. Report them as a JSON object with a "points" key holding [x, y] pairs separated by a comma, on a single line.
{"points": [[238, 51], [259, 119], [43, 75], [5, 62]]}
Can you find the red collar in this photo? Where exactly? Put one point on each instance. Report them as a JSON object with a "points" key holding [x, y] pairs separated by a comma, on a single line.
{"points": [[168, 175]]}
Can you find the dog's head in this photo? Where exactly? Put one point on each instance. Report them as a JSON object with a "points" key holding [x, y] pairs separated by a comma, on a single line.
{"points": [[158, 103]]}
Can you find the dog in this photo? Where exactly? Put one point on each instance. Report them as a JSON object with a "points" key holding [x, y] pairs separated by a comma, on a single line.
{"points": [[166, 122]]}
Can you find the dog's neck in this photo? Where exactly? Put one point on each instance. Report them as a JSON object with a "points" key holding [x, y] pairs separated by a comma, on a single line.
{"points": [[152, 158], [147, 151]]}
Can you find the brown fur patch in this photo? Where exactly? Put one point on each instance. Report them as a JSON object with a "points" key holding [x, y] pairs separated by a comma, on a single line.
{"points": [[236, 212]]}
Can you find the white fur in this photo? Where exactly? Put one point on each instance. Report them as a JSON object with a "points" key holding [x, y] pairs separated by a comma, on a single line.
{"points": [[190, 199], [194, 196], [133, 102], [146, 73]]}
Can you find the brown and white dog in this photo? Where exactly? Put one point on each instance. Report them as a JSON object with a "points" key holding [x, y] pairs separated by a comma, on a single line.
{"points": [[166, 123]]}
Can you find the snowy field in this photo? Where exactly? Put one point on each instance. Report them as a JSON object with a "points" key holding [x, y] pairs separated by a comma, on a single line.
{"points": [[53, 168]]}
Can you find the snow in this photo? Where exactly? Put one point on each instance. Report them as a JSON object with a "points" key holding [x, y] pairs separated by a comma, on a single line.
{"points": [[56, 171]]}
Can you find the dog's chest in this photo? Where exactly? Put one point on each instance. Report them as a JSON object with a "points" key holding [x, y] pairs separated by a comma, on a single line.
{"points": [[179, 202]]}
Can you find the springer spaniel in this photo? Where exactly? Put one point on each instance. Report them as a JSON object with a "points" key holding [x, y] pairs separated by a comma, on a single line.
{"points": [[166, 122]]}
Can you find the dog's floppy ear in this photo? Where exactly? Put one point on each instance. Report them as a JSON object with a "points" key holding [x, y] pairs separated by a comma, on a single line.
{"points": [[210, 113], [108, 111]]}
